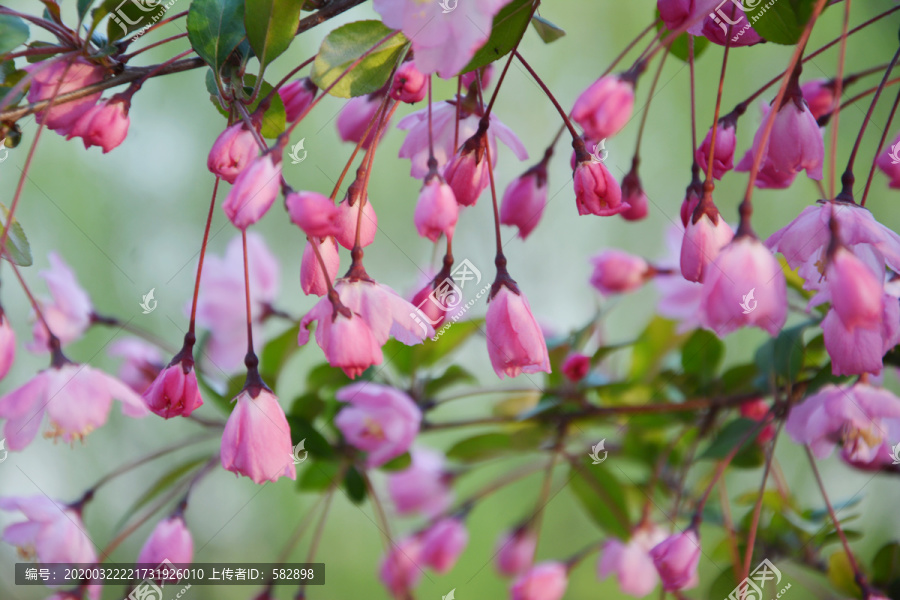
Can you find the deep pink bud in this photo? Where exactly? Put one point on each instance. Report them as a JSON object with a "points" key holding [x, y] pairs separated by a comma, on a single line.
{"points": [[544, 581], [856, 293], [378, 419], [689, 204], [706, 234], [423, 487], [174, 392], [819, 96], [515, 552], [254, 192], [409, 84], [524, 200], [605, 107], [576, 367], [723, 157], [634, 196], [467, 172], [314, 213], [232, 151], [888, 161], [759, 410], [171, 540], [596, 191], [7, 345], [400, 571], [442, 543], [436, 211], [515, 341], [104, 124], [676, 559], [256, 442], [368, 225], [616, 272], [81, 73], [297, 96], [356, 116], [795, 143], [312, 279]]}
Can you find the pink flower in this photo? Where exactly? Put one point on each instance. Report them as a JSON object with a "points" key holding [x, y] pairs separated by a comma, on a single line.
{"points": [[515, 341], [596, 191], [314, 213], [399, 571], [423, 487], [256, 442], [297, 96], [676, 559], [679, 299], [856, 292], [706, 234], [795, 143], [735, 31], [852, 416], [380, 420], [76, 398], [576, 367], [819, 96], [409, 84], [104, 124], [631, 562], [175, 391], [312, 279], [368, 225], [233, 150], [254, 191], [745, 286], [171, 540], [443, 122], [758, 410], [52, 532], [82, 73], [436, 211], [544, 581], [347, 341], [515, 552], [142, 364], [524, 200], [682, 14], [442, 543], [467, 172], [69, 313], [859, 350], [605, 107], [616, 272], [223, 281], [7, 345], [768, 177], [443, 41], [357, 116], [723, 155], [634, 196], [889, 165]]}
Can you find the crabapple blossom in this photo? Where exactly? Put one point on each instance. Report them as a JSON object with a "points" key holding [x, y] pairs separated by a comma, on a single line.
{"points": [[890, 166], [442, 543], [174, 392], [819, 96], [400, 570], [105, 124], [358, 116], [7, 345], [296, 97], [758, 410], [576, 367], [171, 540], [631, 562], [233, 150], [723, 155], [314, 213], [515, 341], [142, 363], [724, 34], [436, 210], [68, 314], [254, 191], [350, 221], [312, 279], [256, 442], [423, 487], [73, 75], [635, 197], [859, 350], [525, 199], [544, 581], [467, 172], [52, 532], [596, 191], [409, 84], [378, 419], [616, 272], [515, 552], [676, 559], [605, 107], [704, 237]]}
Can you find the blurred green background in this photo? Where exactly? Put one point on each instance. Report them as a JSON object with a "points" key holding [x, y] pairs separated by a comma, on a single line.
{"points": [[132, 220]]}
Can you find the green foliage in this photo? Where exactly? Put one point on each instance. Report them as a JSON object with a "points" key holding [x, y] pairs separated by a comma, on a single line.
{"points": [[276, 353], [702, 354], [783, 21], [781, 359], [651, 347], [274, 119], [215, 28], [886, 569], [454, 375], [271, 26], [83, 6], [407, 359], [171, 479], [602, 496], [508, 28], [17, 250], [343, 46], [13, 33], [750, 454], [355, 485], [491, 445], [549, 32], [680, 46]]}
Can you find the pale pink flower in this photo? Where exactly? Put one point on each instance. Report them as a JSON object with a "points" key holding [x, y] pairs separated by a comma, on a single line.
{"points": [[254, 191], [631, 561], [312, 279], [76, 399], [171, 540], [769, 177], [617, 272], [524, 200], [705, 236], [515, 341], [349, 221], [142, 363], [296, 97], [52, 532], [409, 84], [723, 155], [515, 552], [443, 41], [856, 293], [379, 420], [357, 116], [7, 345], [544, 581], [256, 441], [104, 124], [442, 543], [400, 571], [859, 350], [233, 150], [677, 558], [889, 165], [795, 142], [314, 213], [576, 367], [346, 340], [437, 210], [423, 487], [596, 191], [82, 73], [679, 299], [69, 312], [605, 107]]}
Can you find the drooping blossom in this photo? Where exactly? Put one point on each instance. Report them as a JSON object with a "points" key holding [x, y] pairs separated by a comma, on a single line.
{"points": [[75, 75], [596, 191], [437, 210], [442, 543], [400, 571], [515, 341], [314, 213], [605, 107], [233, 150], [576, 367], [676, 559], [68, 313], [467, 172], [423, 487], [855, 291], [296, 97], [105, 124], [685, 14], [223, 281], [409, 84], [723, 154], [679, 299], [443, 41], [256, 441], [254, 191], [888, 161], [704, 237], [378, 419], [350, 220], [52, 532], [855, 417], [544, 581], [358, 116], [734, 30], [525, 199], [312, 279], [617, 272], [631, 562], [445, 138], [174, 392], [635, 197], [515, 552], [859, 350], [768, 177], [75, 398], [819, 96], [7, 345], [171, 540], [142, 363]]}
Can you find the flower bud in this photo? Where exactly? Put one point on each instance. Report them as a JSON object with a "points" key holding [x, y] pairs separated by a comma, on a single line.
{"points": [[296, 97], [409, 84], [232, 151]]}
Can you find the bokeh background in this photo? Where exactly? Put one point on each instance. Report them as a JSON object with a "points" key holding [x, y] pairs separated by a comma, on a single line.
{"points": [[132, 220]]}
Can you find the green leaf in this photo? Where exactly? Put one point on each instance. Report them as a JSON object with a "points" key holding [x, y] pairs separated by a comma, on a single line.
{"points": [[315, 443], [276, 353], [653, 344], [781, 22], [166, 481], [274, 119], [17, 250], [729, 437], [782, 356], [679, 46], [9, 77], [13, 33], [325, 376], [454, 375], [83, 6], [489, 445], [603, 497], [343, 46], [215, 28], [507, 29], [886, 566], [318, 476], [271, 27], [841, 574], [406, 359], [400, 463], [723, 585], [548, 31], [355, 486], [702, 354]]}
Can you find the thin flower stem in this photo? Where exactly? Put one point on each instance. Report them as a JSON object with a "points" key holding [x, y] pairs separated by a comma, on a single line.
{"points": [[432, 162], [540, 82], [370, 157], [154, 339], [546, 486], [247, 293], [359, 145], [838, 91], [865, 94], [693, 99], [248, 121], [512, 55], [496, 206], [209, 218], [878, 150], [646, 110], [287, 77], [728, 526], [54, 341], [126, 57], [320, 527], [709, 184], [757, 508], [385, 525]]}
